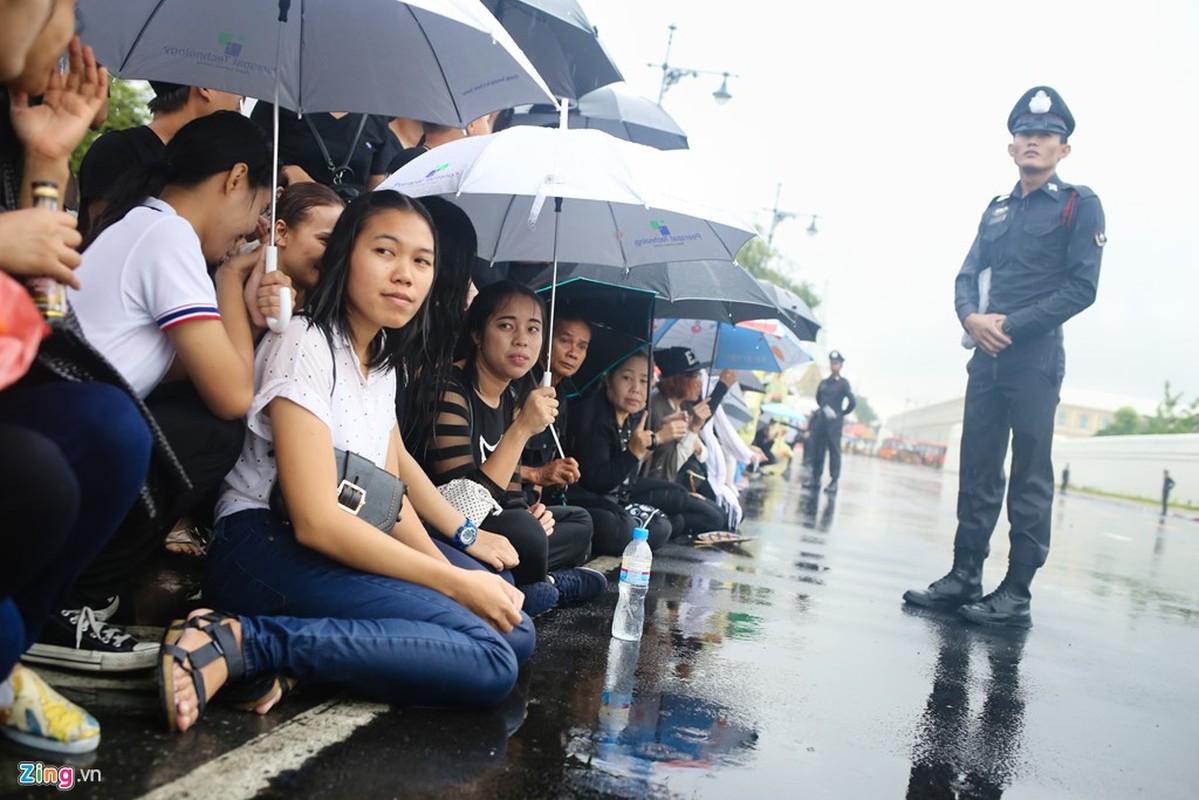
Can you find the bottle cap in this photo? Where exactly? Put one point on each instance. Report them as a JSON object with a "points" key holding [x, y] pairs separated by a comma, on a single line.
{"points": [[640, 533]]}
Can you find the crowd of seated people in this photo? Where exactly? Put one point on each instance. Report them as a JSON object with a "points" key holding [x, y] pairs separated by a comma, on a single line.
{"points": [[161, 411]]}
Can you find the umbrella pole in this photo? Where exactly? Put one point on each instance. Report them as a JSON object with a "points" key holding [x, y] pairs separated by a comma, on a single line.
{"points": [[547, 379], [277, 324]]}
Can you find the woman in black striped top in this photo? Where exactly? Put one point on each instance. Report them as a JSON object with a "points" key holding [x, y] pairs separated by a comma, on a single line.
{"points": [[484, 417]]}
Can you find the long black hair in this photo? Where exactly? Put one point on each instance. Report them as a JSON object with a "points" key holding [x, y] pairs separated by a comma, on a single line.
{"points": [[428, 365], [204, 147], [486, 304], [327, 305]]}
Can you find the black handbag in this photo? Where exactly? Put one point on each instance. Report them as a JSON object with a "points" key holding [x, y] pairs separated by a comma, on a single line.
{"points": [[363, 488], [694, 475]]}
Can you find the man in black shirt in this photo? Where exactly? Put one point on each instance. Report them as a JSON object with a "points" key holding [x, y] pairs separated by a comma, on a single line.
{"points": [[835, 401], [120, 152], [1034, 264]]}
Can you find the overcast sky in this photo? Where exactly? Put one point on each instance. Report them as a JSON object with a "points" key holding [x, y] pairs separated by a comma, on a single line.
{"points": [[889, 121]]}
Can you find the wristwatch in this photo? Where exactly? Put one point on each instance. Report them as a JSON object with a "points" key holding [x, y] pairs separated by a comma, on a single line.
{"points": [[653, 440], [466, 535]]}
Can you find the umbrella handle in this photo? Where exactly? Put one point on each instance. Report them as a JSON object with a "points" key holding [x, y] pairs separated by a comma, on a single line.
{"points": [[278, 324]]}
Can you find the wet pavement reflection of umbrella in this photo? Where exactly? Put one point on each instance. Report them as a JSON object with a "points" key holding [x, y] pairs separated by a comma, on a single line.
{"points": [[560, 41], [618, 110], [619, 318], [733, 346]]}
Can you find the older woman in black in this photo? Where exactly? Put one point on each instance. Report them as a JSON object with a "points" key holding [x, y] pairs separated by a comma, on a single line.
{"points": [[609, 437]]}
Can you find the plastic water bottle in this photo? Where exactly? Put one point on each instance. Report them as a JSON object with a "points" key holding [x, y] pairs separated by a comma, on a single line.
{"points": [[635, 565]]}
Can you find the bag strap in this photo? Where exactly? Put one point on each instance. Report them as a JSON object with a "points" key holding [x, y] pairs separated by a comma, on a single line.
{"points": [[336, 170]]}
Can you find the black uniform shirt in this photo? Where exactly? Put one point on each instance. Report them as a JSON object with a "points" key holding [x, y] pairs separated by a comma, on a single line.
{"points": [[835, 393], [1044, 252]]}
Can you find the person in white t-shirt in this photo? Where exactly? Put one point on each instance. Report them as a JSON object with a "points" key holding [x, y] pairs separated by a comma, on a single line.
{"points": [[184, 343], [328, 598]]}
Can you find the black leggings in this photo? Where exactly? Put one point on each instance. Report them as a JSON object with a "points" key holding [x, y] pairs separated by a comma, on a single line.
{"points": [[567, 547], [614, 526], [689, 515]]}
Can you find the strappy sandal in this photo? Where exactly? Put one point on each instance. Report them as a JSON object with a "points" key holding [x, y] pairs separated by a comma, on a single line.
{"points": [[222, 644], [189, 541], [249, 695]]}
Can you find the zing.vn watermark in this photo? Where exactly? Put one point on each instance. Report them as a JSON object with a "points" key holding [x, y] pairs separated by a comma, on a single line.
{"points": [[35, 773]]}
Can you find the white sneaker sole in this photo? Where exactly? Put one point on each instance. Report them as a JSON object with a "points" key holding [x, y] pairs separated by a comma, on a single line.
{"points": [[144, 657]]}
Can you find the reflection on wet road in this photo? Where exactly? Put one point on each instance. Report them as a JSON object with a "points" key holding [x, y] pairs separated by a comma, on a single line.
{"points": [[786, 666]]}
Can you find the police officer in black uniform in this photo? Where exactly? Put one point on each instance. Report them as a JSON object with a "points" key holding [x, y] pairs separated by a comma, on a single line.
{"points": [[835, 400], [1034, 264]]}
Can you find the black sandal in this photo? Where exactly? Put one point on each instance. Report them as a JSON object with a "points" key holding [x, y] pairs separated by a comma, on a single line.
{"points": [[222, 644], [248, 695]]}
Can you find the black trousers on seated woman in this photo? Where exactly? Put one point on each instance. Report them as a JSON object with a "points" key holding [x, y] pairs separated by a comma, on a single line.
{"points": [[613, 525], [568, 546], [207, 447], [689, 515]]}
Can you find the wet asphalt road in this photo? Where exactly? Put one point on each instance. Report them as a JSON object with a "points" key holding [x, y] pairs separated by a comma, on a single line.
{"points": [[786, 667]]}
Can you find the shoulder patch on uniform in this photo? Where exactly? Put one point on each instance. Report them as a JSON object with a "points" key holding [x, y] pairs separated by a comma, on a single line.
{"points": [[1000, 198]]}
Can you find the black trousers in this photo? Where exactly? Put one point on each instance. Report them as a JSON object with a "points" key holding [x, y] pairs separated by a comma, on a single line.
{"points": [[1016, 396], [825, 437], [568, 546], [614, 526], [207, 448], [689, 515]]}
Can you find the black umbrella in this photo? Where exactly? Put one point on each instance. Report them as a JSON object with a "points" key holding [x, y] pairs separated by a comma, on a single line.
{"points": [[560, 42], [715, 290], [793, 311], [620, 318], [618, 110]]}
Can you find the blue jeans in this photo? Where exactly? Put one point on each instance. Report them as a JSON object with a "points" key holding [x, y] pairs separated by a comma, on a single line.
{"points": [[319, 621], [94, 453]]}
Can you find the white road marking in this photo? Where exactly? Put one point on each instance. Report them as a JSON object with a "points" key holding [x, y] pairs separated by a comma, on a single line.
{"points": [[248, 770]]}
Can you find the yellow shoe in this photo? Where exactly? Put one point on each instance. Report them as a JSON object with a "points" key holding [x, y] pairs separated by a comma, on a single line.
{"points": [[42, 718]]}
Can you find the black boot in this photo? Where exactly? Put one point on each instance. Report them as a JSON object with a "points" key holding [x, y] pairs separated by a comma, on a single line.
{"points": [[963, 584], [831, 488], [1009, 604]]}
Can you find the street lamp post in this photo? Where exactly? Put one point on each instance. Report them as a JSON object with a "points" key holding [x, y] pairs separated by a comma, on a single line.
{"points": [[672, 74], [777, 215]]}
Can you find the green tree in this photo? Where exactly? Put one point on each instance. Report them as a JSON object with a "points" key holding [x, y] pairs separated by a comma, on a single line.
{"points": [[1172, 416], [1125, 422], [864, 412], [126, 109], [756, 256]]}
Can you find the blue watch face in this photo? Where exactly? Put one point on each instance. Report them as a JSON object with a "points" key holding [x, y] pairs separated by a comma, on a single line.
{"points": [[467, 534]]}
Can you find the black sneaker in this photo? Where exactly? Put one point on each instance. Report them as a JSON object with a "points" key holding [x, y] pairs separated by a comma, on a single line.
{"points": [[540, 597], [75, 639], [579, 585]]}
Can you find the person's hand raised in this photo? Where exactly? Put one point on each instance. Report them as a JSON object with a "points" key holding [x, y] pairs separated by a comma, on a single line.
{"points": [[52, 130], [641, 439]]}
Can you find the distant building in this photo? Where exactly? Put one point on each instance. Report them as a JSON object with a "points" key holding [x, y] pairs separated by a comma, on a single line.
{"points": [[1080, 413]]}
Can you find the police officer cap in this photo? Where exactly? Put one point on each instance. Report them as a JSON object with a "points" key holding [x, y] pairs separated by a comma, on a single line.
{"points": [[677, 361], [835, 355], [1041, 109]]}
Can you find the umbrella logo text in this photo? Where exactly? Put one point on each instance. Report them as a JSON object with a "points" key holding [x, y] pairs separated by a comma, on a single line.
{"points": [[437, 169]]}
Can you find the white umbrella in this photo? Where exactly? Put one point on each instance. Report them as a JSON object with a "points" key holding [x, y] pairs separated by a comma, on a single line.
{"points": [[446, 61], [609, 205]]}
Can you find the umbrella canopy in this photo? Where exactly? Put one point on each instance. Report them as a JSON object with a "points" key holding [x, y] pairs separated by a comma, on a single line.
{"points": [[607, 208], [560, 41], [733, 346], [793, 311], [715, 289], [446, 61], [784, 411], [614, 210], [620, 320], [618, 110]]}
